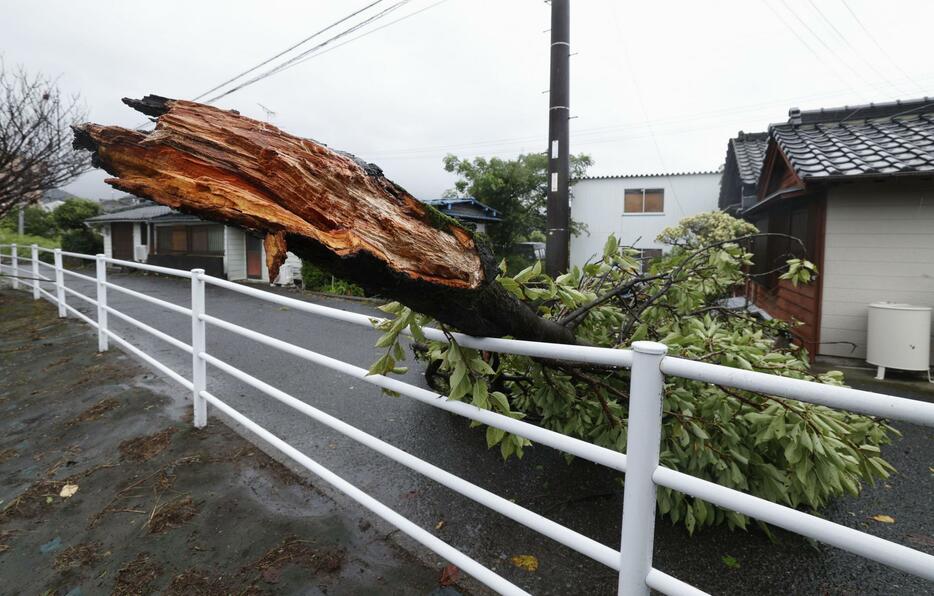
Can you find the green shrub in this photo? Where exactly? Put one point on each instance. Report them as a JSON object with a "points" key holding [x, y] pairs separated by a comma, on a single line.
{"points": [[71, 214], [318, 280], [82, 240]]}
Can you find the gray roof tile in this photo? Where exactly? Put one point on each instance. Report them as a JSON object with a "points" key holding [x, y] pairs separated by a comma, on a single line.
{"points": [[749, 149], [865, 140], [142, 213]]}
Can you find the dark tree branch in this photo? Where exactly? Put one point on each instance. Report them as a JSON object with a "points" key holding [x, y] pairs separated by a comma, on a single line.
{"points": [[35, 153]]}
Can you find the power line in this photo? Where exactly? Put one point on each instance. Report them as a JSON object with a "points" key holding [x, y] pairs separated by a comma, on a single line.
{"points": [[294, 46], [721, 116], [878, 45], [820, 39], [856, 52], [635, 84], [292, 61], [288, 49], [814, 52], [313, 53], [374, 30]]}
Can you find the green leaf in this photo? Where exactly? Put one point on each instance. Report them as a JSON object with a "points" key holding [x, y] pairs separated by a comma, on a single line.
{"points": [[480, 395], [700, 511], [460, 372], [611, 246], [524, 275], [699, 432], [500, 400], [379, 367], [479, 366], [512, 287], [507, 447], [386, 340], [391, 307], [493, 436]]}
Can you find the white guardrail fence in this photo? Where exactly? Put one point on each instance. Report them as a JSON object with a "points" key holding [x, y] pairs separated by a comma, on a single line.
{"points": [[649, 364]]}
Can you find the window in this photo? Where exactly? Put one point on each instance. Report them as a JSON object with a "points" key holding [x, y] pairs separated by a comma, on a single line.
{"points": [[143, 234], [646, 256], [198, 240], [650, 253], [644, 200], [771, 252], [216, 239], [178, 240]]}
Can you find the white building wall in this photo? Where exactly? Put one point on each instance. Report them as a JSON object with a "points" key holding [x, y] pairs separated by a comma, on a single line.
{"points": [[235, 253], [879, 246], [262, 259], [140, 250], [599, 204], [108, 243]]}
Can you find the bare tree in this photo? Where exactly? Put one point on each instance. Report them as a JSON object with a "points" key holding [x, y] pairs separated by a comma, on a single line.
{"points": [[35, 138]]}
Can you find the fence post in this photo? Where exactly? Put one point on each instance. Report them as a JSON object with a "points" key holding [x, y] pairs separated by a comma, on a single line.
{"points": [[198, 343], [60, 284], [35, 271], [102, 339], [14, 260], [642, 446]]}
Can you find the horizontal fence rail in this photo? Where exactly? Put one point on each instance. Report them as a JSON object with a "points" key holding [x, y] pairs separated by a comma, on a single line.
{"points": [[649, 364]]}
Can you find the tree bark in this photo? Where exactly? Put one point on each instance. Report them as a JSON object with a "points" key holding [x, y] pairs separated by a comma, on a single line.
{"points": [[326, 206]]}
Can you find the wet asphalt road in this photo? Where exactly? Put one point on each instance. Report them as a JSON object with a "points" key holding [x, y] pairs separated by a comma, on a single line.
{"points": [[584, 497]]}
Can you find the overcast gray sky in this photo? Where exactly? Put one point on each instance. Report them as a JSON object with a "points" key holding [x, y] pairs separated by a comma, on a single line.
{"points": [[655, 86]]}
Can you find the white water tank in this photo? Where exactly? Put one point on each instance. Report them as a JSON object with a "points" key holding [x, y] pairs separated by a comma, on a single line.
{"points": [[898, 336]]}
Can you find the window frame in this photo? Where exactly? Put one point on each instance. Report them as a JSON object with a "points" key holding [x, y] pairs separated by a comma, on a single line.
{"points": [[165, 248], [643, 192]]}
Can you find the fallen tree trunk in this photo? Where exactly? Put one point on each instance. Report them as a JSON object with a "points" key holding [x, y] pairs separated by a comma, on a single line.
{"points": [[325, 206]]}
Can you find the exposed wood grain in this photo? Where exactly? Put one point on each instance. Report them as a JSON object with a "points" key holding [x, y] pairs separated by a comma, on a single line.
{"points": [[324, 205]]}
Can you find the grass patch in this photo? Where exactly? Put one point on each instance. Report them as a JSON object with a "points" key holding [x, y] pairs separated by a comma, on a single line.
{"points": [[23, 242]]}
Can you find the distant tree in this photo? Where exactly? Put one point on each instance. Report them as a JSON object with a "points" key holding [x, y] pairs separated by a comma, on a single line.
{"points": [[517, 188], [71, 214], [36, 222], [76, 236], [35, 138]]}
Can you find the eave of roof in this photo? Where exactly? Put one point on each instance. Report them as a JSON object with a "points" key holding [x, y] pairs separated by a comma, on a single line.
{"points": [[652, 175], [135, 213], [868, 141], [496, 215]]}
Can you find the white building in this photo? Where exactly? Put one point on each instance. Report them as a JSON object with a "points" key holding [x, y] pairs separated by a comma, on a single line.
{"points": [[637, 208], [159, 235]]}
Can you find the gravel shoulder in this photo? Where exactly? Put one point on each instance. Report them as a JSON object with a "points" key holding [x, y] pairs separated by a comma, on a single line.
{"points": [[159, 507]]}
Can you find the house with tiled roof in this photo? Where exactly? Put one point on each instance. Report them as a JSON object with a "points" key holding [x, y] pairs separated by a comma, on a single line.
{"points": [[467, 210], [740, 180], [636, 208], [856, 185], [146, 232]]}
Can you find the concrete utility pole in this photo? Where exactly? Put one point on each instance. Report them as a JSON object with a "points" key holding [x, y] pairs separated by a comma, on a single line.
{"points": [[557, 247], [21, 221]]}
